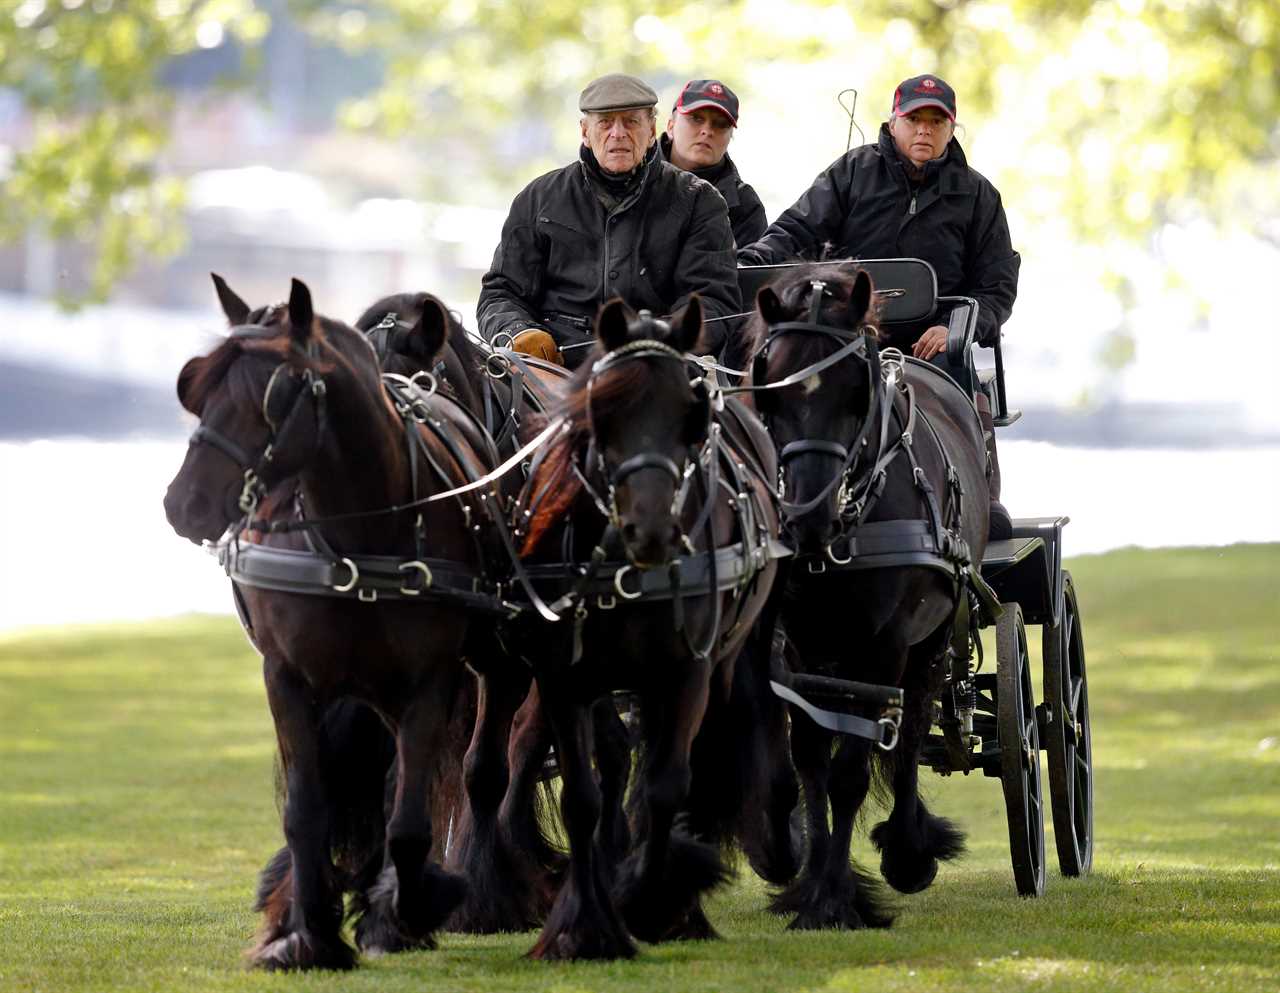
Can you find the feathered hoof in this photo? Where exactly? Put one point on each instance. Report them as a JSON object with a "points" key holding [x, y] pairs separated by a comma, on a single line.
{"points": [[850, 901], [669, 908], [586, 941], [911, 870], [379, 933], [300, 951], [693, 927]]}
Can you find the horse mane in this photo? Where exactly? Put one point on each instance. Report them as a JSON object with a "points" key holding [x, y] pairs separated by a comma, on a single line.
{"points": [[272, 340], [794, 289], [613, 390]]}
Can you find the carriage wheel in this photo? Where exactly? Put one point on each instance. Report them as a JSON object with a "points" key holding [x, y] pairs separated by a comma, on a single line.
{"points": [[1067, 738], [1019, 740]]}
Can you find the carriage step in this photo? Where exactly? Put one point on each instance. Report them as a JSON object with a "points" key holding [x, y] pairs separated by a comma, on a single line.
{"points": [[845, 689]]}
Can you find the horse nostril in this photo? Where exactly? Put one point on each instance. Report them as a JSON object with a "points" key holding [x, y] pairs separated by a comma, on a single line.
{"points": [[629, 533]]}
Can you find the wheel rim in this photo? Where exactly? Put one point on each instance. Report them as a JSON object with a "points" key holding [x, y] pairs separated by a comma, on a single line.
{"points": [[1070, 743], [1020, 754]]}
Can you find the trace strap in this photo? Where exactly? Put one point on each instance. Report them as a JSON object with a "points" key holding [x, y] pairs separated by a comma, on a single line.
{"points": [[883, 732]]}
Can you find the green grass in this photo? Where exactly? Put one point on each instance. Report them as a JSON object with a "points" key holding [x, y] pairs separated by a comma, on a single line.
{"points": [[136, 807]]}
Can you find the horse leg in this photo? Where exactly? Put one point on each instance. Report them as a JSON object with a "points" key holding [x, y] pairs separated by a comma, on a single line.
{"points": [[660, 886], [421, 895], [527, 808], [301, 930], [501, 892], [584, 922], [912, 840], [613, 762], [811, 753]]}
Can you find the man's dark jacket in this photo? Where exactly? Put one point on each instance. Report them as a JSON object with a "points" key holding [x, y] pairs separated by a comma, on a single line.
{"points": [[563, 254], [865, 206], [746, 212]]}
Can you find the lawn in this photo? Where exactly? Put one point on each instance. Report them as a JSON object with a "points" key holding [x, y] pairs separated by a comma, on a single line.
{"points": [[136, 806]]}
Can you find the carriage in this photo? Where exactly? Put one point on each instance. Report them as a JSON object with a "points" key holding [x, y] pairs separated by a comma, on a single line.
{"points": [[986, 719]]}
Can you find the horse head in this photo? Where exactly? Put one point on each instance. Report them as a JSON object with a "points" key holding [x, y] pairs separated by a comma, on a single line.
{"points": [[816, 372], [646, 417], [261, 398]]}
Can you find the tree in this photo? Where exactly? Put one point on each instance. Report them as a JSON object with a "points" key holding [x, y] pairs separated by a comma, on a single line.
{"points": [[1127, 113], [86, 70]]}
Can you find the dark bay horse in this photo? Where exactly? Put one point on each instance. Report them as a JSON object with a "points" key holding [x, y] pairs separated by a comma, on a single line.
{"points": [[303, 400], [885, 499], [651, 517], [501, 834]]}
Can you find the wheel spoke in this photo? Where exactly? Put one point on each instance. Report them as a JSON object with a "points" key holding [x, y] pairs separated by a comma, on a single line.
{"points": [[1077, 687]]}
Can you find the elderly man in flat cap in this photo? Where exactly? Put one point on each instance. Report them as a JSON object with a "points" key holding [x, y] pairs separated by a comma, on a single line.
{"points": [[618, 222]]}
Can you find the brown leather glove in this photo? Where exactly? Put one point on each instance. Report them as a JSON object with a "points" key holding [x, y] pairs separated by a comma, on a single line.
{"points": [[539, 344]]}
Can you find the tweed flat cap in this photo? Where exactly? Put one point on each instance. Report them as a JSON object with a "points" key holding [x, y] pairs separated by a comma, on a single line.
{"points": [[616, 91]]}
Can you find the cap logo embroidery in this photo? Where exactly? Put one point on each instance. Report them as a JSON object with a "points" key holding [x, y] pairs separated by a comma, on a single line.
{"points": [[928, 84], [717, 89]]}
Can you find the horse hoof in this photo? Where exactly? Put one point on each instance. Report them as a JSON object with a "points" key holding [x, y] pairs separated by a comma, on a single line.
{"points": [[908, 878], [295, 952]]}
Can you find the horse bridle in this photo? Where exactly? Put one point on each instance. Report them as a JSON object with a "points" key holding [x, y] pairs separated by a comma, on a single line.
{"points": [[280, 414], [680, 475], [856, 345]]}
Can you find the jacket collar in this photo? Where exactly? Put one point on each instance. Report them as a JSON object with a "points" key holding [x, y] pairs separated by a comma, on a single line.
{"points": [[622, 187]]}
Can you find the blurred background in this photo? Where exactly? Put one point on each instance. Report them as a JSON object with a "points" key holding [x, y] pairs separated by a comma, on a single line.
{"points": [[369, 148]]}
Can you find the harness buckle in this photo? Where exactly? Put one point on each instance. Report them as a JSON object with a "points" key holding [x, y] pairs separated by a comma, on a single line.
{"points": [[423, 569], [248, 501], [606, 601], [367, 595], [350, 584], [890, 726], [622, 591], [831, 555]]}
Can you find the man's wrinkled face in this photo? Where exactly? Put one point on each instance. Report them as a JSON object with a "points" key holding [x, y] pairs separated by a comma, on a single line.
{"points": [[921, 135], [619, 138], [699, 138]]}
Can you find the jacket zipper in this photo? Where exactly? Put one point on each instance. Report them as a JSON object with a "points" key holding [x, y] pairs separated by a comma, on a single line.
{"points": [[912, 209]]}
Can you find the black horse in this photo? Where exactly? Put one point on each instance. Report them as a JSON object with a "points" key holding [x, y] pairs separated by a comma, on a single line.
{"points": [[301, 402], [652, 519], [885, 499]]}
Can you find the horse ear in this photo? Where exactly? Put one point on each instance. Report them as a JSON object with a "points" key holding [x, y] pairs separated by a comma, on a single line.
{"points": [[185, 378], [860, 298], [301, 313], [612, 322], [431, 329], [235, 309], [770, 306], [686, 326]]}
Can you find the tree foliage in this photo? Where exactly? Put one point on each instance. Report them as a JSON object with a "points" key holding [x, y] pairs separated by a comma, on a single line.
{"points": [[1122, 113], [86, 70]]}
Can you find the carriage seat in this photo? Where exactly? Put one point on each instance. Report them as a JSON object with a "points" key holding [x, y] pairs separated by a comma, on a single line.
{"points": [[907, 290]]}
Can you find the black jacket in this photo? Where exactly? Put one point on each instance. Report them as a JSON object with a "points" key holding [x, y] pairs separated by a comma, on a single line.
{"points": [[563, 254], [865, 206], [746, 212]]}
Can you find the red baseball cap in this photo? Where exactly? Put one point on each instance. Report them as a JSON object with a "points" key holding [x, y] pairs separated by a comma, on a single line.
{"points": [[924, 91], [698, 93]]}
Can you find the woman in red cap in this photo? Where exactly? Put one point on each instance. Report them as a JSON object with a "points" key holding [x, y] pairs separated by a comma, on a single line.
{"points": [[697, 139]]}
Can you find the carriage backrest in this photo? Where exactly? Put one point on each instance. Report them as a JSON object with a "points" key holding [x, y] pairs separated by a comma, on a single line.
{"points": [[907, 289]]}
